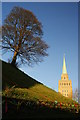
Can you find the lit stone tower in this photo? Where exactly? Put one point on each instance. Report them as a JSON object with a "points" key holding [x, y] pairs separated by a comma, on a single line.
{"points": [[65, 85]]}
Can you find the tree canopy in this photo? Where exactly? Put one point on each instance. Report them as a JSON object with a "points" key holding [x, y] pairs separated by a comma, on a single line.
{"points": [[22, 34]]}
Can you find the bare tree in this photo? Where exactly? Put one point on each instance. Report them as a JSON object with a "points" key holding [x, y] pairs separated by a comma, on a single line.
{"points": [[22, 34], [75, 95]]}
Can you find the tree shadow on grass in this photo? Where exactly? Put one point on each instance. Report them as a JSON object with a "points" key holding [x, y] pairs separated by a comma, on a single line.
{"points": [[13, 76]]}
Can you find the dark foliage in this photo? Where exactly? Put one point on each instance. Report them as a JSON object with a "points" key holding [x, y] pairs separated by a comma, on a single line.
{"points": [[31, 109]]}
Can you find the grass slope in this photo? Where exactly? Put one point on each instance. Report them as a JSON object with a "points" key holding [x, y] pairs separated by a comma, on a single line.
{"points": [[25, 97], [27, 87]]}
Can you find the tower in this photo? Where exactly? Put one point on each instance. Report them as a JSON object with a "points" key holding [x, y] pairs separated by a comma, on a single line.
{"points": [[65, 85]]}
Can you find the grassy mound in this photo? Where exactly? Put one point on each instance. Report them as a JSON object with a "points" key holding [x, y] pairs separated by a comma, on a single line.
{"points": [[27, 97], [27, 87]]}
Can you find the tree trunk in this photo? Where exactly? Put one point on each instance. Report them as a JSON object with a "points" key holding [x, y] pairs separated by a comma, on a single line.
{"points": [[14, 58], [15, 54]]}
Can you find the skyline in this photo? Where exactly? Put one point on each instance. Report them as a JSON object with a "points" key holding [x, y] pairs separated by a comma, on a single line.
{"points": [[60, 27]]}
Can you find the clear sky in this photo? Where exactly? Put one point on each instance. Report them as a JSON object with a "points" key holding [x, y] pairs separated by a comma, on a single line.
{"points": [[60, 27]]}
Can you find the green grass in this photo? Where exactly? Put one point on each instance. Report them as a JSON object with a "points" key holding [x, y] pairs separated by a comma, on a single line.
{"points": [[27, 87], [25, 97]]}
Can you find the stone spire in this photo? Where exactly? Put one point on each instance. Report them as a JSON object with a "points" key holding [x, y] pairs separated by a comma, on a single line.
{"points": [[65, 85], [64, 71]]}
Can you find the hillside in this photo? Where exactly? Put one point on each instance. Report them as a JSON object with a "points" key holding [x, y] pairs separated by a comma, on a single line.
{"points": [[28, 97], [24, 84]]}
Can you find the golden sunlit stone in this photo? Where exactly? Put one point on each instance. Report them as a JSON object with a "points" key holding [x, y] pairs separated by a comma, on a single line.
{"points": [[65, 85]]}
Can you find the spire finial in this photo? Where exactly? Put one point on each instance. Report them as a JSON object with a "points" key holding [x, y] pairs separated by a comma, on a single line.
{"points": [[64, 71]]}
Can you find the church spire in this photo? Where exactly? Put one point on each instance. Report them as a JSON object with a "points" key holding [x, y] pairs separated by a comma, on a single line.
{"points": [[64, 71]]}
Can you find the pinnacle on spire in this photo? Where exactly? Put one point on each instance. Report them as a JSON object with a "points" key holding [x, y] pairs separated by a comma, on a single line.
{"points": [[64, 71]]}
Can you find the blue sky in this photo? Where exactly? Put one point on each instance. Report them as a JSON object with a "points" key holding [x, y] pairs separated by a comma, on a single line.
{"points": [[60, 27]]}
